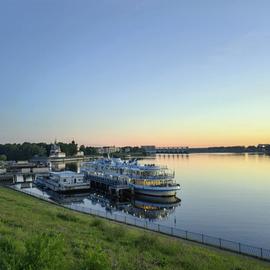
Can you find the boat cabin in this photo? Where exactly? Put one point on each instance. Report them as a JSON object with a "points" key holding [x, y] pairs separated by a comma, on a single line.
{"points": [[67, 177]]}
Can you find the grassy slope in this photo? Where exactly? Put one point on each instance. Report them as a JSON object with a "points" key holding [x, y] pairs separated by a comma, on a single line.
{"points": [[38, 235]]}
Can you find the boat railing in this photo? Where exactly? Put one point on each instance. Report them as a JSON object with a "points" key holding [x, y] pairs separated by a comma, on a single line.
{"points": [[159, 167], [167, 176], [173, 184]]}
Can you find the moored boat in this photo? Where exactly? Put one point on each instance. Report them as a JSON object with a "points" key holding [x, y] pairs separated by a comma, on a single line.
{"points": [[149, 179], [65, 181]]}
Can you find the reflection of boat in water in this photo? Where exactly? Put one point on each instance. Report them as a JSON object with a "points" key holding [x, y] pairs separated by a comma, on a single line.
{"points": [[153, 207], [147, 207], [160, 202], [67, 199]]}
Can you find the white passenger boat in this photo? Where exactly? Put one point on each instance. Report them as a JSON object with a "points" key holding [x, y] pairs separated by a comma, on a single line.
{"points": [[66, 181], [149, 179]]}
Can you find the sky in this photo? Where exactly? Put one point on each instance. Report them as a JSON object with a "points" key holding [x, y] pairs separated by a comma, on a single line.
{"points": [[135, 72]]}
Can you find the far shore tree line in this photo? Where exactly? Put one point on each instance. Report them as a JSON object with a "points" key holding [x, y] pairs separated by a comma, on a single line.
{"points": [[26, 150]]}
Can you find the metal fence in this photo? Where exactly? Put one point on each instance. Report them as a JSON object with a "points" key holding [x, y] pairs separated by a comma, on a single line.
{"points": [[240, 248]]}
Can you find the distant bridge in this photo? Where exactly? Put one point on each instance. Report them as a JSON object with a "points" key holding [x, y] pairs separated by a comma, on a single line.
{"points": [[172, 150]]}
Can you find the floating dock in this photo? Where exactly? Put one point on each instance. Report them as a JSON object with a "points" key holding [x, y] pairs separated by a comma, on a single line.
{"points": [[113, 187]]}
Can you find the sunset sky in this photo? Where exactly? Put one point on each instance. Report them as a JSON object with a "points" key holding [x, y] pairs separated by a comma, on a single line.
{"points": [[124, 72]]}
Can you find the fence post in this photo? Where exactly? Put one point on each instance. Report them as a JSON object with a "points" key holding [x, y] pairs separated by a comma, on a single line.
{"points": [[220, 243], [261, 253], [186, 235], [239, 247], [202, 238]]}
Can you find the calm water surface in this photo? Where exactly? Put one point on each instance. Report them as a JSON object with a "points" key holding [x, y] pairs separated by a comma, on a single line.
{"points": [[223, 195]]}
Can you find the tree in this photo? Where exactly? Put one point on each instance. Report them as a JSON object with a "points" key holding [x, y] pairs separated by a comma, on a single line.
{"points": [[23, 151], [70, 149], [89, 151], [82, 148], [3, 157]]}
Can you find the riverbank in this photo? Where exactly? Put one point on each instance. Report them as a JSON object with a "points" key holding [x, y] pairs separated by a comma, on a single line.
{"points": [[41, 235]]}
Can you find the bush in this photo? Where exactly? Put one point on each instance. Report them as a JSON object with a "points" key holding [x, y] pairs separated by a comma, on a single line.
{"points": [[3, 157]]}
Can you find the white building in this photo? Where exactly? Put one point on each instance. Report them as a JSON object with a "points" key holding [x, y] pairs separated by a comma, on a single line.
{"points": [[108, 150], [56, 152], [79, 153]]}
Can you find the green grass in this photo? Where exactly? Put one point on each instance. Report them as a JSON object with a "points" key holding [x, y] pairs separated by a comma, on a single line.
{"points": [[37, 235]]}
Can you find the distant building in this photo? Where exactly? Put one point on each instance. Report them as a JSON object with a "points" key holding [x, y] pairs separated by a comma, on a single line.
{"points": [[56, 151], [126, 149], [79, 153], [149, 149], [24, 171], [108, 150], [264, 148]]}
